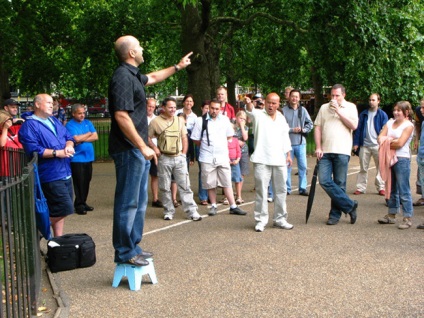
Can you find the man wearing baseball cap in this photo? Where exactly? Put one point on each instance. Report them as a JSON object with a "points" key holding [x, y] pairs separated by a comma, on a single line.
{"points": [[11, 106]]}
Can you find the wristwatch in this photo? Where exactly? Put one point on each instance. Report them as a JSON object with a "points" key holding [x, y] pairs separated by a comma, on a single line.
{"points": [[54, 153]]}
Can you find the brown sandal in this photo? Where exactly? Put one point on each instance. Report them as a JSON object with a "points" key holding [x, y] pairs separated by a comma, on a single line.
{"points": [[176, 204], [204, 202]]}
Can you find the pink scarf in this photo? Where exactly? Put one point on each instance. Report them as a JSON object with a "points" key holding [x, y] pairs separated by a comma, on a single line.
{"points": [[387, 159]]}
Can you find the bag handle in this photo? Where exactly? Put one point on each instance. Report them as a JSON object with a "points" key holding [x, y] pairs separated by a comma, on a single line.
{"points": [[38, 191]]}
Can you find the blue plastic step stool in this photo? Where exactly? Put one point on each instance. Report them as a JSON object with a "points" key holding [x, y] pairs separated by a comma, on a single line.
{"points": [[134, 274]]}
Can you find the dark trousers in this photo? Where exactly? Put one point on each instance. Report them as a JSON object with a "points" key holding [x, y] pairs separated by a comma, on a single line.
{"points": [[81, 177]]}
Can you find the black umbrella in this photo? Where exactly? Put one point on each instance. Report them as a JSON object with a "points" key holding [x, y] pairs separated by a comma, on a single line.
{"points": [[312, 192]]}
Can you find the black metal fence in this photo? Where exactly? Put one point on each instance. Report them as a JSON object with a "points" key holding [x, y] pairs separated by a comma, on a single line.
{"points": [[20, 264], [101, 146]]}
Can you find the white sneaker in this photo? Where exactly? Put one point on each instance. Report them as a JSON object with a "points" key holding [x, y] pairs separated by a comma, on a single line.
{"points": [[168, 217], [259, 227], [284, 225], [212, 211], [270, 200], [196, 216]]}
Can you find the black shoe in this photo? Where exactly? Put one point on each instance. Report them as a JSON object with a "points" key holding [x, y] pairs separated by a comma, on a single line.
{"points": [[137, 260], [352, 213], [237, 211], [80, 211], [146, 254], [157, 204], [304, 193], [88, 208], [332, 221]]}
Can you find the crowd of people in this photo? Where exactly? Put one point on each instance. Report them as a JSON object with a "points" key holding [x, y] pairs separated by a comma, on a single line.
{"points": [[268, 132], [65, 153]]}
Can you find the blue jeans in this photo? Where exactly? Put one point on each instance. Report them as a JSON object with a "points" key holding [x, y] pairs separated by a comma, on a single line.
{"points": [[332, 178], [298, 151], [129, 209], [420, 173], [203, 193], [400, 193]]}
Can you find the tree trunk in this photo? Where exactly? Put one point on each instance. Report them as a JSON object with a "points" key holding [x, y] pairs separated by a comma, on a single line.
{"points": [[193, 38], [317, 84], [231, 88], [4, 83]]}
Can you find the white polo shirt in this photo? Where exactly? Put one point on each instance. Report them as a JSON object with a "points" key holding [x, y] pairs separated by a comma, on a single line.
{"points": [[272, 141], [219, 130]]}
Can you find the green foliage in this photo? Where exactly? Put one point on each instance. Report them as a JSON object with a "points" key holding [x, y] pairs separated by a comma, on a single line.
{"points": [[368, 45]]}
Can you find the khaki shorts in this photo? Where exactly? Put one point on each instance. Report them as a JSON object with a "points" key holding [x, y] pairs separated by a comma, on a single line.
{"points": [[216, 175]]}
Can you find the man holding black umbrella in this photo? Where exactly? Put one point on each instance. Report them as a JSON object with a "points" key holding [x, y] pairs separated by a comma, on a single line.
{"points": [[333, 139]]}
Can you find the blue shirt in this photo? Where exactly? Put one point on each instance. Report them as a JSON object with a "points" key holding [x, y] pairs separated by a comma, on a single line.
{"points": [[84, 152]]}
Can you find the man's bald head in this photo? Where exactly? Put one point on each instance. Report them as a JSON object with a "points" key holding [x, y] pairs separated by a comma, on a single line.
{"points": [[272, 102], [123, 45]]}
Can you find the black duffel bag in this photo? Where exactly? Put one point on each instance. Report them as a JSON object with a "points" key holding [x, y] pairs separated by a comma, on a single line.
{"points": [[70, 251]]}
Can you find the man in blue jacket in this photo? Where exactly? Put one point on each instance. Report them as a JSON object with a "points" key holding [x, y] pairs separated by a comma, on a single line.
{"points": [[371, 121], [44, 134]]}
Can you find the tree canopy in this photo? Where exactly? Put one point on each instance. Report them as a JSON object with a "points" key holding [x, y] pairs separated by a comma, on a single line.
{"points": [[67, 46]]}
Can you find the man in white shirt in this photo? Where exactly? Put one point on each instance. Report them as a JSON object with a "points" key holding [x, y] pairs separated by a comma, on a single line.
{"points": [[270, 158], [216, 170]]}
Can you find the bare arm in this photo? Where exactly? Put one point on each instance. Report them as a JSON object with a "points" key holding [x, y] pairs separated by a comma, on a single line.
{"points": [[289, 160], [417, 133], [3, 137], [383, 132], [317, 137], [93, 137], [349, 123], [154, 147], [400, 142], [243, 131], [87, 137], [184, 141], [163, 74], [249, 104]]}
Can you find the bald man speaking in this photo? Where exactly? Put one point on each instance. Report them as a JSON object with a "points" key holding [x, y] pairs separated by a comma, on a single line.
{"points": [[128, 142]]}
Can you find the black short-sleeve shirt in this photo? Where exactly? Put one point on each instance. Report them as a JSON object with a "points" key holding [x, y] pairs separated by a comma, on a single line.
{"points": [[126, 92]]}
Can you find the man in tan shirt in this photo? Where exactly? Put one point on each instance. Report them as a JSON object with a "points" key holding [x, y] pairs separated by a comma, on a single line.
{"points": [[172, 159], [333, 139]]}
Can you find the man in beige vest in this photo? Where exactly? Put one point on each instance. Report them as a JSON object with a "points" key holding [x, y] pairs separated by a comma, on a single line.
{"points": [[171, 152]]}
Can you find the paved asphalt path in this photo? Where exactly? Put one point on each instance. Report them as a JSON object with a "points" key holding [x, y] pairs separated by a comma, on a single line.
{"points": [[220, 267]]}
